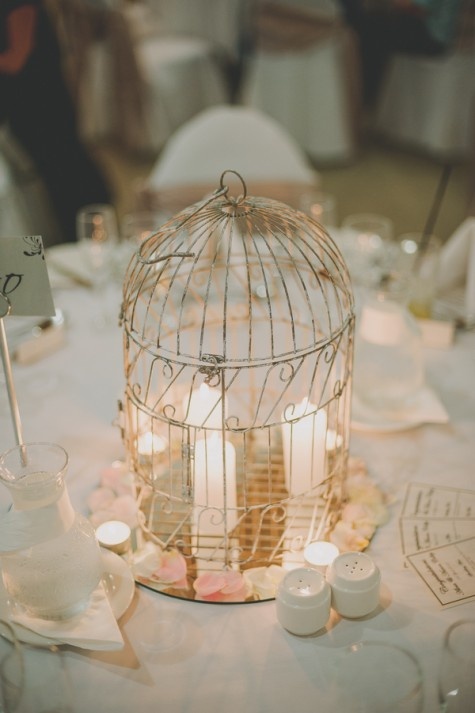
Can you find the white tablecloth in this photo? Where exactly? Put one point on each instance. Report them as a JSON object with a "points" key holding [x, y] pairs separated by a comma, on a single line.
{"points": [[186, 656]]}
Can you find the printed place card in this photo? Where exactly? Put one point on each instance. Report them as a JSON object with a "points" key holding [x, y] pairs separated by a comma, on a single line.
{"points": [[448, 571], [427, 501], [24, 283], [421, 534]]}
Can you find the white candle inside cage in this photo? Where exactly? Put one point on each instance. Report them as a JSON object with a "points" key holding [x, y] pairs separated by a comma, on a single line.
{"points": [[320, 554], [333, 440], [149, 444], [304, 441], [214, 486], [203, 408], [114, 535]]}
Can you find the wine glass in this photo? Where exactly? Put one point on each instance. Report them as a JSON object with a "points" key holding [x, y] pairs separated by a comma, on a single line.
{"points": [[320, 206], [376, 677], [11, 659], [41, 684], [136, 227], [98, 236], [457, 668], [364, 240]]}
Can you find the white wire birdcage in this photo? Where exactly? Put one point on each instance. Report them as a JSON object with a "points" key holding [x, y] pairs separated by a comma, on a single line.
{"points": [[238, 327]]}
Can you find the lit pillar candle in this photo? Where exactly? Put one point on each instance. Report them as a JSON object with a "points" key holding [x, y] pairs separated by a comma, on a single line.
{"points": [[210, 489], [203, 408], [333, 441], [303, 440], [149, 444]]}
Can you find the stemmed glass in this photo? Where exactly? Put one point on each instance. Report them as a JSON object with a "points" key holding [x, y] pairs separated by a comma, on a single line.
{"points": [[98, 236], [135, 229], [11, 660], [365, 239], [33, 678], [457, 668]]}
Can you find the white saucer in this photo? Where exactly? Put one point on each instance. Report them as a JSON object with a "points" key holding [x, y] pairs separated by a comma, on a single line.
{"points": [[118, 582], [119, 585]]}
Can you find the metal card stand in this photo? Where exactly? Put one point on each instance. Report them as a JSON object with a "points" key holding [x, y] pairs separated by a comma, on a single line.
{"points": [[5, 307]]}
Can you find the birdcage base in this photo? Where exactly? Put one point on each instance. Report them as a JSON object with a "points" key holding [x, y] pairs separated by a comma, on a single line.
{"points": [[266, 536]]}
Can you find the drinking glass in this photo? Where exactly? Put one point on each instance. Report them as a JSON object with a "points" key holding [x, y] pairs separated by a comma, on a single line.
{"points": [[389, 364], [98, 237], [320, 206], [422, 265], [376, 677], [365, 240], [457, 668], [11, 657], [135, 229], [33, 679]]}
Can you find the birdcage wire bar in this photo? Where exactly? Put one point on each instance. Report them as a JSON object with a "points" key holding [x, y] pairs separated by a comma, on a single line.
{"points": [[238, 323]]}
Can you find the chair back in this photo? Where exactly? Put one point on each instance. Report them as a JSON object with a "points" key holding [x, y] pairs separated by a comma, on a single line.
{"points": [[234, 138]]}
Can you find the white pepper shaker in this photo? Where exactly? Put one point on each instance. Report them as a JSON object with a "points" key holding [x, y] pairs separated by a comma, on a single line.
{"points": [[355, 584], [303, 601]]}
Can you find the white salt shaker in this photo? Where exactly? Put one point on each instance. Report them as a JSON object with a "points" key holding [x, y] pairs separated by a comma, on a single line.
{"points": [[355, 584], [303, 601]]}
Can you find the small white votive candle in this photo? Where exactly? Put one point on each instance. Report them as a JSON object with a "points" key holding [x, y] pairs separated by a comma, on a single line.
{"points": [[320, 554], [303, 601], [114, 535], [355, 583]]}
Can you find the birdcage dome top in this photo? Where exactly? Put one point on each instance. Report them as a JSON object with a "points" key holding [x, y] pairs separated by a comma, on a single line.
{"points": [[242, 280]]}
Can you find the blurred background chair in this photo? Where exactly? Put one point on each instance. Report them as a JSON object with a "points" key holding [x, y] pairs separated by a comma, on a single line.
{"points": [[24, 204], [304, 72], [234, 138], [428, 103], [135, 78]]}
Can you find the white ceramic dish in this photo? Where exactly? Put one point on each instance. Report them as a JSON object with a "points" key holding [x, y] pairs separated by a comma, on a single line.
{"points": [[118, 583]]}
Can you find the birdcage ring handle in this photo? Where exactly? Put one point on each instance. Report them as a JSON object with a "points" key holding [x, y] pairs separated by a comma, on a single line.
{"points": [[225, 189]]}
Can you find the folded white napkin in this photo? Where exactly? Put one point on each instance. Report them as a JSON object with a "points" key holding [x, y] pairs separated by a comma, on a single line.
{"points": [[95, 629], [457, 264], [67, 266], [423, 407]]}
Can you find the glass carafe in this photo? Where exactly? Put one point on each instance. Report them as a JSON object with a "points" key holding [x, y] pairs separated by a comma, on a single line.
{"points": [[389, 361], [50, 557]]}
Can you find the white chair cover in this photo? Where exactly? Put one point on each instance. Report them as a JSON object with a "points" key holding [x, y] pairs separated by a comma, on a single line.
{"points": [[235, 138], [220, 22], [133, 82], [180, 76], [429, 103], [304, 73]]}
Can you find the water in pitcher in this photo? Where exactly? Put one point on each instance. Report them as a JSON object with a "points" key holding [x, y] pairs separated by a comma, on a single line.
{"points": [[54, 576]]}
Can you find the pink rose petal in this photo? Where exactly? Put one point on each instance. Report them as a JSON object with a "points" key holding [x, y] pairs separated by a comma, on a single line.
{"points": [[118, 479], [100, 499], [125, 508], [209, 583], [239, 595], [234, 582], [173, 567]]}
